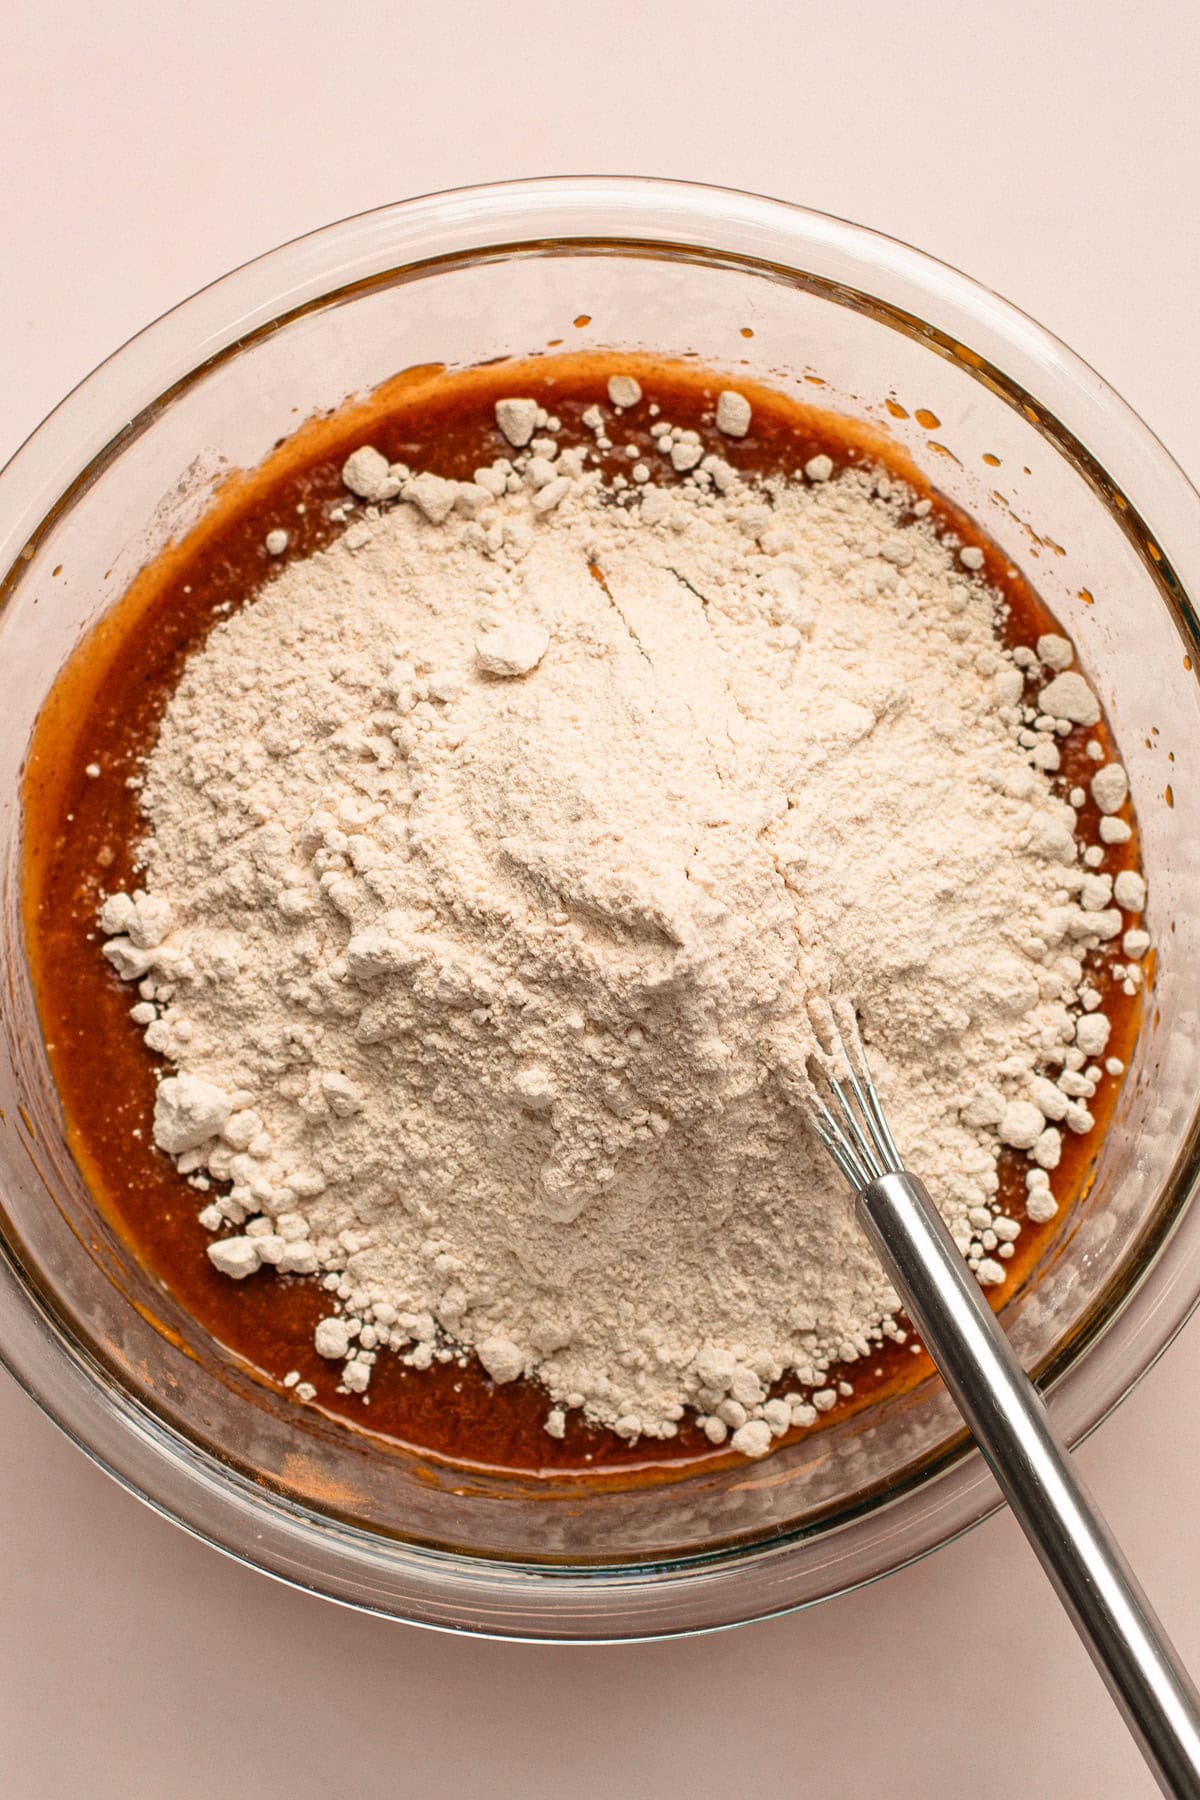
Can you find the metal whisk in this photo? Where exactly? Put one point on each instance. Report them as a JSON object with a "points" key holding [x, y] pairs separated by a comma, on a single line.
{"points": [[1003, 1409]]}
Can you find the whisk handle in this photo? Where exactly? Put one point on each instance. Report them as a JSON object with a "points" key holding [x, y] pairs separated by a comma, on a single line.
{"points": [[1051, 1503]]}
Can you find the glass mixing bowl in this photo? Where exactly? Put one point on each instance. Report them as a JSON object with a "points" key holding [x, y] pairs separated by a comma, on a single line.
{"points": [[1011, 426]]}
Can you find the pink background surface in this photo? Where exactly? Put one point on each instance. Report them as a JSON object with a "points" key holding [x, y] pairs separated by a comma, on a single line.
{"points": [[1050, 150]]}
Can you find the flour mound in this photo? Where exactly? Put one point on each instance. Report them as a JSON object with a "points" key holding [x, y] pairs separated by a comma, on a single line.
{"points": [[490, 867]]}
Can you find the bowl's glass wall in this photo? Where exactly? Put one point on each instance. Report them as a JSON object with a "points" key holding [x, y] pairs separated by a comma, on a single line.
{"points": [[389, 1529]]}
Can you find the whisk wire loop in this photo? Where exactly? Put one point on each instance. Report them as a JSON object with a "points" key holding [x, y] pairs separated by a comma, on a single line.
{"points": [[845, 1111]]}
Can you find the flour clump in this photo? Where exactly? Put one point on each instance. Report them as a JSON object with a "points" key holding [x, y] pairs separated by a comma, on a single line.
{"points": [[494, 857]]}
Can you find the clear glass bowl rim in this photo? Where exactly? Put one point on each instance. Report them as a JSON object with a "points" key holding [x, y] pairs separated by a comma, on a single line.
{"points": [[734, 1584]]}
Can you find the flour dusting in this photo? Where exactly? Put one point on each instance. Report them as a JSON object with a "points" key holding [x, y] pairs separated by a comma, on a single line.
{"points": [[494, 856]]}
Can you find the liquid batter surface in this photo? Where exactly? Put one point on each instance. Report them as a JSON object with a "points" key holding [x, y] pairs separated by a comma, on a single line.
{"points": [[82, 831]]}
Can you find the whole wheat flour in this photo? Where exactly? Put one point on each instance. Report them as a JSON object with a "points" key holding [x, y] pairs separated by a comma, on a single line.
{"points": [[493, 858]]}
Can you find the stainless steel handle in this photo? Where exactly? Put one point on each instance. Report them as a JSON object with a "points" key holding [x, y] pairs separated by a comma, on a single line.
{"points": [[1051, 1503]]}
